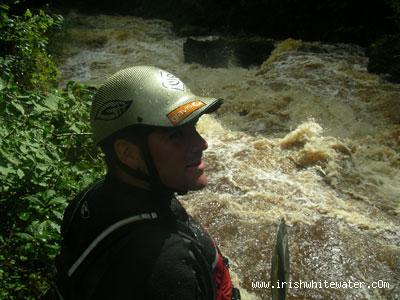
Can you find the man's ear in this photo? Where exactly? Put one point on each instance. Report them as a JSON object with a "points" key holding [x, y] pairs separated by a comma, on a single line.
{"points": [[128, 153]]}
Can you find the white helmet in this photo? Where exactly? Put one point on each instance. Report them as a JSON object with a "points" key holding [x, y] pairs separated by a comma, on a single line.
{"points": [[145, 95]]}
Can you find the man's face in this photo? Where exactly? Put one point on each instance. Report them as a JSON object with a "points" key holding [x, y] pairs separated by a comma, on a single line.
{"points": [[177, 154]]}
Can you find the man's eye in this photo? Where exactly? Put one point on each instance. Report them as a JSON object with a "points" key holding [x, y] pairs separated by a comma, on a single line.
{"points": [[176, 134]]}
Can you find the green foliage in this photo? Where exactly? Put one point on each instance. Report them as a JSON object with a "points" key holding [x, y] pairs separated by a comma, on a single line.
{"points": [[395, 5], [46, 152], [46, 156], [23, 56]]}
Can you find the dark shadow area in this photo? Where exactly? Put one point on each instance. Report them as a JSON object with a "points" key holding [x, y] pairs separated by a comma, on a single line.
{"points": [[353, 21]]}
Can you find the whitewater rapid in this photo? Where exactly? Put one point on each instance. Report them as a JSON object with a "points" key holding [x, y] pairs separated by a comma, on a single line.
{"points": [[310, 136]]}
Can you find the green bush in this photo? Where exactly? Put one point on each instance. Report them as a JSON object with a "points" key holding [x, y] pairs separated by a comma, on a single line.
{"points": [[23, 42], [395, 4], [46, 153], [46, 156]]}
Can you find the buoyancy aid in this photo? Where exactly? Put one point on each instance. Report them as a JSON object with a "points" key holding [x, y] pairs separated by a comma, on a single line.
{"points": [[222, 279], [212, 269]]}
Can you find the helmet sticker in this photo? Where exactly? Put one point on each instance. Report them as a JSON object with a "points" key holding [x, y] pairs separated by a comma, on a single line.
{"points": [[182, 112], [170, 81], [112, 110]]}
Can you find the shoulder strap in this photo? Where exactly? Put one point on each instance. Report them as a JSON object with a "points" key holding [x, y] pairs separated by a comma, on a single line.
{"points": [[107, 232], [203, 270], [64, 285]]}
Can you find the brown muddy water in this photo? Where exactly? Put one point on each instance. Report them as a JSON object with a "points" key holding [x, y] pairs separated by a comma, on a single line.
{"points": [[310, 136]]}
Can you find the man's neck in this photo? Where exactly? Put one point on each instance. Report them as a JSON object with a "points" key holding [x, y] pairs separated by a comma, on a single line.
{"points": [[132, 181]]}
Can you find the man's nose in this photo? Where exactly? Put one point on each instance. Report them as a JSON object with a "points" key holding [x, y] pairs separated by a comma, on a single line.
{"points": [[199, 143]]}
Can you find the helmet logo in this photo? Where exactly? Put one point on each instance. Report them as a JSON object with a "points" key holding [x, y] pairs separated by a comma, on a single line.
{"points": [[182, 112], [170, 81], [85, 213], [112, 110]]}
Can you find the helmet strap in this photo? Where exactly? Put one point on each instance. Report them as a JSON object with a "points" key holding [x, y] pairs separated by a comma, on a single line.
{"points": [[153, 177], [156, 184], [138, 174]]}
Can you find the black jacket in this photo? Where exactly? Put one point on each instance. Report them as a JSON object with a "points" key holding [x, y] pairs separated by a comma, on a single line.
{"points": [[166, 255]]}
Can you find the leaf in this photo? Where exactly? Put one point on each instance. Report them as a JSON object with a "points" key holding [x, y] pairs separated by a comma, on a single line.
{"points": [[42, 156], [50, 193], [57, 200], [24, 216], [59, 216], [23, 148], [39, 182], [54, 226], [51, 102], [19, 107], [24, 236], [9, 157], [23, 258], [22, 97], [4, 6], [39, 108], [74, 128], [34, 200], [5, 171], [20, 173], [42, 167], [28, 13]]}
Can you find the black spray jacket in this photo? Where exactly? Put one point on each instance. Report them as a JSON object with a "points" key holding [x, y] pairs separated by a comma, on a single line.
{"points": [[123, 242]]}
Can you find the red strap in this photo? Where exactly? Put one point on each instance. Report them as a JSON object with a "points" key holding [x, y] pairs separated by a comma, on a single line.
{"points": [[222, 280]]}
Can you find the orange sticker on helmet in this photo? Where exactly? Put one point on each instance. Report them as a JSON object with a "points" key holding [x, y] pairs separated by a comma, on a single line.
{"points": [[182, 112]]}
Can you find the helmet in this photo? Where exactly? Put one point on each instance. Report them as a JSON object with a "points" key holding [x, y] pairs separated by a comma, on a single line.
{"points": [[145, 95]]}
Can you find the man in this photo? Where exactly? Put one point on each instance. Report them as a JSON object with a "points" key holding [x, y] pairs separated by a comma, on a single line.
{"points": [[127, 236]]}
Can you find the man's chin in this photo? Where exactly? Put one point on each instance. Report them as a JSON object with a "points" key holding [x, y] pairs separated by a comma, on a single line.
{"points": [[199, 184]]}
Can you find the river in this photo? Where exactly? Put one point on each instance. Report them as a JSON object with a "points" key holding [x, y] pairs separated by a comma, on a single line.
{"points": [[310, 136]]}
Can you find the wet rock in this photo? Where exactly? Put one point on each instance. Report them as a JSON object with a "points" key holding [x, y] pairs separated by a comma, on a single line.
{"points": [[353, 21], [224, 52], [191, 30], [288, 45], [384, 57], [213, 54]]}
